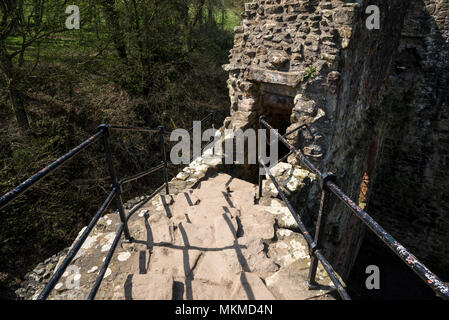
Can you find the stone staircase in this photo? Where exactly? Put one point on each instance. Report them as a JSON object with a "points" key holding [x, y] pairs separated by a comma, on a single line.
{"points": [[210, 243]]}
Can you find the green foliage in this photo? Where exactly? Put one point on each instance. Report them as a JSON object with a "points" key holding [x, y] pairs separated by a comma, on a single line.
{"points": [[71, 81], [310, 72]]}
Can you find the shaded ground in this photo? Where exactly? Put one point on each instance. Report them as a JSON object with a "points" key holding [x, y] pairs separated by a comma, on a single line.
{"points": [[397, 280]]}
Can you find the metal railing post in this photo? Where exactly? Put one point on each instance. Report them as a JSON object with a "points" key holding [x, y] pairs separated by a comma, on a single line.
{"points": [[260, 182], [212, 112], [324, 206], [260, 165], [164, 158], [118, 198]]}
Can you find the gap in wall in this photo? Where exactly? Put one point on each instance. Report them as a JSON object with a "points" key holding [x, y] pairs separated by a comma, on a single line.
{"points": [[278, 110]]}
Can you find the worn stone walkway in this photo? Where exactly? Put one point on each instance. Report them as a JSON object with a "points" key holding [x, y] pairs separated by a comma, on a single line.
{"points": [[210, 243]]}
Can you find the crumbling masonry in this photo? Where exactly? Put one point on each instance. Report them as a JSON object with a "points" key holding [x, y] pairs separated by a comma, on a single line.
{"points": [[375, 106]]}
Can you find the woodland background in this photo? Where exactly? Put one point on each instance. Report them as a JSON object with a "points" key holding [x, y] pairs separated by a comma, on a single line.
{"points": [[132, 62]]}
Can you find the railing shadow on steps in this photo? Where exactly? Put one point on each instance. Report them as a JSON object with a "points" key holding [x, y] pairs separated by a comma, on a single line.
{"points": [[328, 184], [103, 132]]}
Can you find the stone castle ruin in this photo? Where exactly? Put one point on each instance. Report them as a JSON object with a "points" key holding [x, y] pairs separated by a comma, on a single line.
{"points": [[370, 105]]}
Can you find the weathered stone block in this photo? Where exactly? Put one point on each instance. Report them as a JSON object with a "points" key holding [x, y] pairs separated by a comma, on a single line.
{"points": [[291, 79]]}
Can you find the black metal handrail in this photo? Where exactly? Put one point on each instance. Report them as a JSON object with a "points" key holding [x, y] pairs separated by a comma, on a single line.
{"points": [[314, 250], [24, 186], [134, 129], [328, 184], [115, 195]]}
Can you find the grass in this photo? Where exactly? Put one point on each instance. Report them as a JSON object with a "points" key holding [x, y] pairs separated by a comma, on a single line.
{"points": [[59, 48], [310, 72]]}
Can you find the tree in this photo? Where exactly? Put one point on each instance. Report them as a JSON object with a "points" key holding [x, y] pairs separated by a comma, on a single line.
{"points": [[30, 22], [116, 31], [191, 20]]}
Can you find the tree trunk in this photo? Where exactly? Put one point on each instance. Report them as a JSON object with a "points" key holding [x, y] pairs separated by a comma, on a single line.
{"points": [[19, 110], [192, 24], [223, 17], [6, 66], [113, 22]]}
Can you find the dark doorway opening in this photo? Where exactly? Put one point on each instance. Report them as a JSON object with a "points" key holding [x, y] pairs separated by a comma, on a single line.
{"points": [[278, 110]]}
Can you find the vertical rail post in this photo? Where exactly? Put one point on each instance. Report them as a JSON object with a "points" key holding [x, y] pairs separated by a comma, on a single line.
{"points": [[118, 198], [260, 164], [164, 158], [260, 181], [324, 206], [212, 112]]}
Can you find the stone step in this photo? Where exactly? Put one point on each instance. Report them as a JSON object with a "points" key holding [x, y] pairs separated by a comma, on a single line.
{"points": [[257, 222], [224, 246], [248, 286], [212, 243], [186, 199], [218, 182], [243, 286], [200, 290], [150, 287], [289, 283]]}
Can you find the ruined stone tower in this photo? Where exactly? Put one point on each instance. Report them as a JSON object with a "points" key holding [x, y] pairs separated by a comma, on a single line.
{"points": [[372, 104]]}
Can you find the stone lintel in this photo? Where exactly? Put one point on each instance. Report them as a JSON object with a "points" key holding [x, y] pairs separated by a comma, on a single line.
{"points": [[290, 79], [278, 89]]}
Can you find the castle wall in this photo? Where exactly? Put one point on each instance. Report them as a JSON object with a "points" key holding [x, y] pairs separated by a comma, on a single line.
{"points": [[409, 188], [319, 57]]}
